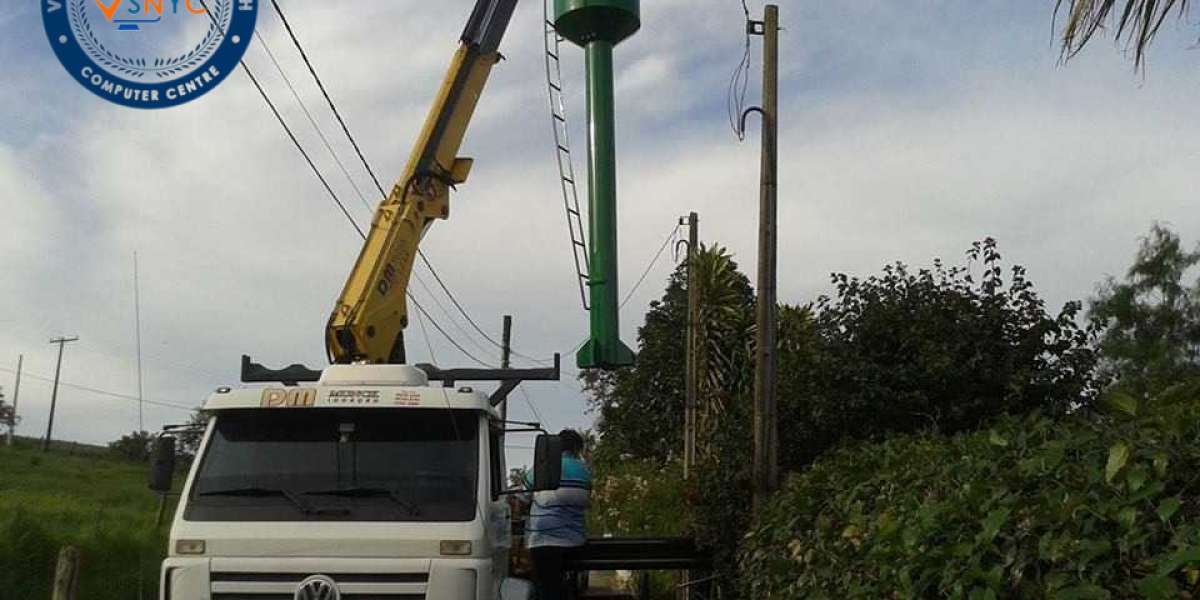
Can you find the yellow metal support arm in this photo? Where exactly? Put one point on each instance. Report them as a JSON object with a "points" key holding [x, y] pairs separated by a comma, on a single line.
{"points": [[369, 320]]}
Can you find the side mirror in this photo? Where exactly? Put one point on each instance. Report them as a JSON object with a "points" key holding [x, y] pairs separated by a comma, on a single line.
{"points": [[162, 464], [547, 463]]}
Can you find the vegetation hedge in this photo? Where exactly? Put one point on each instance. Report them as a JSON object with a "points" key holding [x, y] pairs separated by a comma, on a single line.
{"points": [[1096, 505], [93, 502]]}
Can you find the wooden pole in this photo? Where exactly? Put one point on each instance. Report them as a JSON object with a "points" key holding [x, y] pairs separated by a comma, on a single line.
{"points": [[12, 424], [61, 341], [66, 575], [766, 452], [505, 358]]}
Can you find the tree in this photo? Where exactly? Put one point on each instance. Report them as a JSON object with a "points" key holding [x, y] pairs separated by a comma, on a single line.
{"points": [[1137, 25], [641, 408], [135, 446], [938, 349], [1151, 320]]}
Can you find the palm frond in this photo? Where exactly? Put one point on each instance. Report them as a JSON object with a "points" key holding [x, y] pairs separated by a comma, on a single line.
{"points": [[1137, 25]]}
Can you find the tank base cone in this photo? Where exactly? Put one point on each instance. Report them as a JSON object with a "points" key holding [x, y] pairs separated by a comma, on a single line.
{"points": [[609, 356]]}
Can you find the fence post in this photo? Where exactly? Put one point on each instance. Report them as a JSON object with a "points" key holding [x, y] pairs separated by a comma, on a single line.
{"points": [[66, 574]]}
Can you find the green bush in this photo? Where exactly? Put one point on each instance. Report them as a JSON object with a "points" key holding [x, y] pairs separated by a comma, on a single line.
{"points": [[634, 498], [1082, 506]]}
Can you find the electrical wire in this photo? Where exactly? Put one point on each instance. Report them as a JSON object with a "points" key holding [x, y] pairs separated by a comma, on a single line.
{"points": [[98, 391], [739, 83], [438, 327], [533, 409], [671, 236], [349, 136], [320, 133], [653, 261], [464, 313], [336, 113], [291, 135]]}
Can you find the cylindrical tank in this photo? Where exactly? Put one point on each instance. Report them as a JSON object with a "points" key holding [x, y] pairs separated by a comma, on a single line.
{"points": [[584, 21], [598, 26]]}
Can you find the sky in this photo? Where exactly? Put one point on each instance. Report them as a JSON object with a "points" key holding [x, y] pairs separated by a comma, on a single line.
{"points": [[907, 131]]}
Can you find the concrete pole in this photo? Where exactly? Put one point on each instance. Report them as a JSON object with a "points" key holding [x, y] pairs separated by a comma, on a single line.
{"points": [[692, 402], [766, 431]]}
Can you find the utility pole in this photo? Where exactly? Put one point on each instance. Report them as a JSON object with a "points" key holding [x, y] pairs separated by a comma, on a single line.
{"points": [[692, 403], [61, 341], [505, 356], [12, 424], [766, 430]]}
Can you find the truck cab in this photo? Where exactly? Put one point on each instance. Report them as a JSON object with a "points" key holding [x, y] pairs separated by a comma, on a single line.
{"points": [[371, 484]]}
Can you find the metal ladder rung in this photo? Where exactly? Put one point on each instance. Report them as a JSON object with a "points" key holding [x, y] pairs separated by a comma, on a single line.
{"points": [[562, 141]]}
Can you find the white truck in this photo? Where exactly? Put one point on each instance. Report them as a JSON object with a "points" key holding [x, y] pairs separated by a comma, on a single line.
{"points": [[369, 484]]}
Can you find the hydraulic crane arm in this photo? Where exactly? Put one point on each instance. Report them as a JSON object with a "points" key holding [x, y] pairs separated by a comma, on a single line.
{"points": [[369, 320]]}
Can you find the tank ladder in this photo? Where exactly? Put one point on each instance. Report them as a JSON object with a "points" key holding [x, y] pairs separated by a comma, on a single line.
{"points": [[562, 143]]}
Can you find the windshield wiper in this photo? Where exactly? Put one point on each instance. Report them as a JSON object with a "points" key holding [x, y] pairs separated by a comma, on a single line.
{"points": [[369, 492], [291, 496]]}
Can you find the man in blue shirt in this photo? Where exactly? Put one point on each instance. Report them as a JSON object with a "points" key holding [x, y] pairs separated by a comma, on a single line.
{"points": [[558, 519]]}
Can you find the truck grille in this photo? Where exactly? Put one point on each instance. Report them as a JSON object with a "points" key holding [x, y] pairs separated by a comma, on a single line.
{"points": [[353, 586]]}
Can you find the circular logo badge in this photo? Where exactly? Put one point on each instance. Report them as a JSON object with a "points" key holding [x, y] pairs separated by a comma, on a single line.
{"points": [[149, 53]]}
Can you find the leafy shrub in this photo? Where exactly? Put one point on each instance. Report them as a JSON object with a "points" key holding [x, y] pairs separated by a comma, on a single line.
{"points": [[134, 447], [1083, 506], [946, 348]]}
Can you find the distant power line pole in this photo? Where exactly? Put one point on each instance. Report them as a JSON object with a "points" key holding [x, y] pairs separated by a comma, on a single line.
{"points": [[692, 384], [61, 341], [505, 358], [12, 424], [137, 318], [766, 430]]}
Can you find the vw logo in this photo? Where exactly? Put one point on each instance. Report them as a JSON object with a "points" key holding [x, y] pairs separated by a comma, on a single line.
{"points": [[318, 587]]}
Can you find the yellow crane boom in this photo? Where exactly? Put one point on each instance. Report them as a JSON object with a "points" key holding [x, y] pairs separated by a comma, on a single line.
{"points": [[368, 322]]}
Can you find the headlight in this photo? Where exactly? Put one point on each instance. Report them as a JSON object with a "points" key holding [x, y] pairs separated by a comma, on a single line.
{"points": [[455, 548], [189, 547]]}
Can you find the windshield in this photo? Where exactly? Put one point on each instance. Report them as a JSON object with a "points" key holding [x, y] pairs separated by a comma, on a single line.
{"points": [[329, 464]]}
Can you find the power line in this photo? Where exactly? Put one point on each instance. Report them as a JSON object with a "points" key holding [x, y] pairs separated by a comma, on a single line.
{"points": [[739, 83], [464, 313], [653, 261], [532, 408], [438, 327], [645, 273], [325, 93], [292, 136], [98, 391], [366, 164], [313, 121]]}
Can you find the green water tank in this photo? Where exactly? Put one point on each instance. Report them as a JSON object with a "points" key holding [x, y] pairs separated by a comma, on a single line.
{"points": [[584, 21]]}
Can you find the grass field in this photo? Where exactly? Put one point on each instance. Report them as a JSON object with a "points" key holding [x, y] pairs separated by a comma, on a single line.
{"points": [[81, 497]]}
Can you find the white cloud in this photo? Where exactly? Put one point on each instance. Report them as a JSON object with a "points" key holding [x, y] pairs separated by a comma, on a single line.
{"points": [[902, 140]]}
